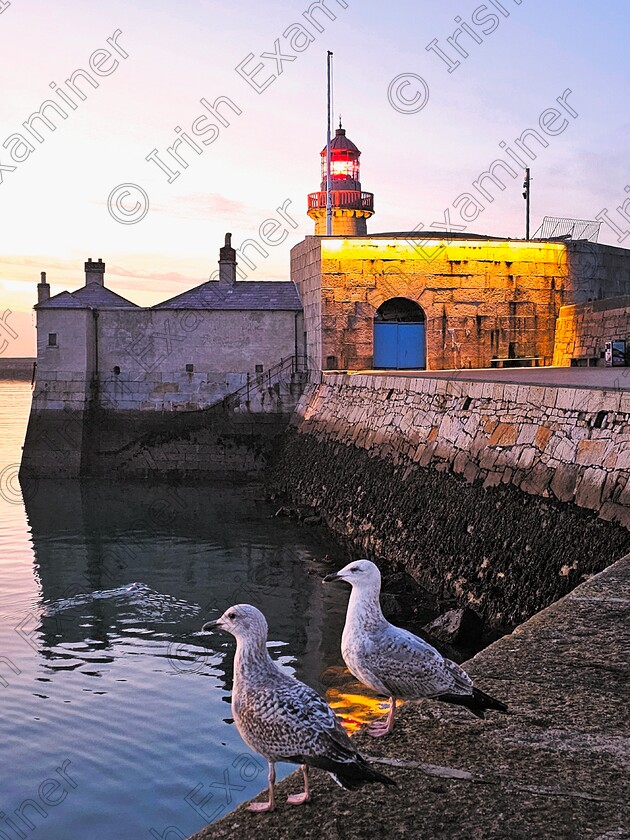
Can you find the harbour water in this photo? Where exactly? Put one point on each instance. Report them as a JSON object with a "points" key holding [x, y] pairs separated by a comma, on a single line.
{"points": [[115, 717]]}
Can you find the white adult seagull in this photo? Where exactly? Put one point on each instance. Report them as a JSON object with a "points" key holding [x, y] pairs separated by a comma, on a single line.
{"points": [[394, 662], [283, 719]]}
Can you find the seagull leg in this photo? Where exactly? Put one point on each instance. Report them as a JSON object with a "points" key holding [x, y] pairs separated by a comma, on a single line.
{"points": [[301, 798], [383, 727], [261, 807]]}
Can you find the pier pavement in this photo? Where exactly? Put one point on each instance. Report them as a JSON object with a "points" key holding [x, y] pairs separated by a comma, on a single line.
{"points": [[555, 768]]}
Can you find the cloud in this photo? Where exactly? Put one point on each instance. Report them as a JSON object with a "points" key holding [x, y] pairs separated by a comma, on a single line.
{"points": [[168, 278], [74, 273], [36, 262], [203, 205]]}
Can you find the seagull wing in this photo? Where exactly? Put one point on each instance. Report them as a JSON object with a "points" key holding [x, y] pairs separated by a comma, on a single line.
{"points": [[318, 739], [287, 720], [411, 668]]}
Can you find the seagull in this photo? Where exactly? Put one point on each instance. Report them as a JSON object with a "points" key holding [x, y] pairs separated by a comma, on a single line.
{"points": [[394, 662], [282, 718]]}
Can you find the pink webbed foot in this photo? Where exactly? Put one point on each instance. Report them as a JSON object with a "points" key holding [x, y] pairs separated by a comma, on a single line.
{"points": [[384, 725], [379, 728], [260, 807], [299, 798], [305, 796], [265, 807]]}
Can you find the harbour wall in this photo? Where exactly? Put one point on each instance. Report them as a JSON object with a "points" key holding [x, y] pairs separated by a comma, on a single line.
{"points": [[237, 437], [499, 496]]}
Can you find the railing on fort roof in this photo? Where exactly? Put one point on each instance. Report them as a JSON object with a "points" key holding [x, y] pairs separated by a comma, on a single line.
{"points": [[343, 199], [285, 370]]}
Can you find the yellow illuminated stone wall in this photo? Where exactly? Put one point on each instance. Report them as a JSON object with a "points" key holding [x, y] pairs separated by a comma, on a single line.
{"points": [[583, 330], [482, 299]]}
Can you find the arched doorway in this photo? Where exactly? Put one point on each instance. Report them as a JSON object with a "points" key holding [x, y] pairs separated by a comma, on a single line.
{"points": [[399, 335]]}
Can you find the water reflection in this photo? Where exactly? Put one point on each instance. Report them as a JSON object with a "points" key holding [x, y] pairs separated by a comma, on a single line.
{"points": [[103, 590], [114, 674], [151, 562]]}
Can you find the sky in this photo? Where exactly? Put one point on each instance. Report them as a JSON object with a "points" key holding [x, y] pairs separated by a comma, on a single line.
{"points": [[428, 123]]}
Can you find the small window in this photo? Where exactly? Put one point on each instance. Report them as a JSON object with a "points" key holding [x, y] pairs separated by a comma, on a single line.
{"points": [[52, 339], [259, 368], [190, 368]]}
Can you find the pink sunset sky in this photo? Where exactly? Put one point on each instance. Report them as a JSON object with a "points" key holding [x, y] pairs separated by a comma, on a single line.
{"points": [[425, 137]]}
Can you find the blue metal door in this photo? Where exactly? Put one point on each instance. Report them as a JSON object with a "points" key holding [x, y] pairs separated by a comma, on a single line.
{"points": [[411, 353], [385, 345], [399, 346]]}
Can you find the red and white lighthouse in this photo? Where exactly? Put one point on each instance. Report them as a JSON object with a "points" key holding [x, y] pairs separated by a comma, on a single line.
{"points": [[351, 207]]}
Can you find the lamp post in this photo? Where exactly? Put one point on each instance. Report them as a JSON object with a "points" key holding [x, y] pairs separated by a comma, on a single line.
{"points": [[526, 189]]}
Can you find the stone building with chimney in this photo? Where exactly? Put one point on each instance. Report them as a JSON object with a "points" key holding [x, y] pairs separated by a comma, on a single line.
{"points": [[108, 369], [185, 353]]}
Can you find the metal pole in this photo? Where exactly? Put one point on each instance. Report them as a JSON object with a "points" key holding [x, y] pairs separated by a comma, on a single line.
{"points": [[328, 193], [526, 197]]}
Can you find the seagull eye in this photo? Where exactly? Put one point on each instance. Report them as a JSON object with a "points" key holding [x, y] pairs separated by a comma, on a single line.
{"points": [[232, 615], [354, 569]]}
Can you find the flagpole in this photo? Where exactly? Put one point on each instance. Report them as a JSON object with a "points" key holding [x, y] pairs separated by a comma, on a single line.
{"points": [[328, 133]]}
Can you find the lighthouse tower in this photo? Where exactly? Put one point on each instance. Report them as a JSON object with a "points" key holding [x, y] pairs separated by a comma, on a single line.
{"points": [[351, 207]]}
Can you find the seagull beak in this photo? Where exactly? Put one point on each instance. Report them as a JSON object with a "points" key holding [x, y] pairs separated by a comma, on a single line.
{"points": [[333, 576], [210, 625]]}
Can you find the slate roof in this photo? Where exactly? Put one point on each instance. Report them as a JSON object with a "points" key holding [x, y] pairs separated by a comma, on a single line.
{"points": [[92, 295], [242, 295]]}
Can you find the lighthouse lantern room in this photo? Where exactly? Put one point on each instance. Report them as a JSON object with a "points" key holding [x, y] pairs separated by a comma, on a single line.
{"points": [[351, 206]]}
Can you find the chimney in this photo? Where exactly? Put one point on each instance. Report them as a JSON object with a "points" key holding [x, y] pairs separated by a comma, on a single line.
{"points": [[227, 262], [95, 272], [43, 289]]}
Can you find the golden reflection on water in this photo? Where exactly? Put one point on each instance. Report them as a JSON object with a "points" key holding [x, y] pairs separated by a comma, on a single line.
{"points": [[353, 703]]}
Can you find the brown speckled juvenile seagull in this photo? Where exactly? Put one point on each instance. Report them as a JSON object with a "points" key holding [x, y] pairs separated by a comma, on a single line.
{"points": [[283, 719], [394, 662]]}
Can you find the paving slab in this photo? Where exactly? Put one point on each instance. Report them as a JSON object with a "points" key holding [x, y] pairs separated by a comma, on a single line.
{"points": [[556, 767], [609, 379]]}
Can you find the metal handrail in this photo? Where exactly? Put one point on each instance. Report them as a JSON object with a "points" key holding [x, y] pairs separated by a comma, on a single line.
{"points": [[352, 199], [295, 363]]}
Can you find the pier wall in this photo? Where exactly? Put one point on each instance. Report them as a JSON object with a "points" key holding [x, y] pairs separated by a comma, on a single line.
{"points": [[194, 445], [501, 496]]}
